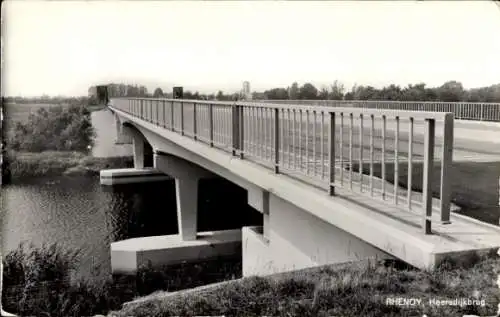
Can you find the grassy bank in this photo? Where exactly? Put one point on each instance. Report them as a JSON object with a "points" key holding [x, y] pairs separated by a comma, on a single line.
{"points": [[38, 282], [26, 164], [93, 108], [347, 290]]}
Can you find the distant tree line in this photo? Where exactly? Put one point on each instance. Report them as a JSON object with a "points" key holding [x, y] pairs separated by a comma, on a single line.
{"points": [[451, 91], [81, 100]]}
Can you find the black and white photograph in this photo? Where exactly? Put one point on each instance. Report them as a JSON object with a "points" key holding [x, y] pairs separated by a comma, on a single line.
{"points": [[250, 158]]}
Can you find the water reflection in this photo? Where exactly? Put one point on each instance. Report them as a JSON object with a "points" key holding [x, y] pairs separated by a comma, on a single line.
{"points": [[76, 212]]}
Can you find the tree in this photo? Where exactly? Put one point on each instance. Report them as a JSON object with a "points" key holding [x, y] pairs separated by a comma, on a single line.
{"points": [[293, 92], [258, 95], [392, 92], [220, 96], [188, 95], [337, 91], [158, 93], [414, 92], [323, 93], [143, 91], [365, 93], [276, 94], [451, 91], [308, 92], [350, 94]]}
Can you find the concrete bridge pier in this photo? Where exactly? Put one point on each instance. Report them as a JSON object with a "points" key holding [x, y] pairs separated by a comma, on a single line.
{"points": [[143, 170], [188, 245], [122, 137], [187, 177]]}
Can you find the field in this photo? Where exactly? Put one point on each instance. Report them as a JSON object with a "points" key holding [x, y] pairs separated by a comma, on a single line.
{"points": [[21, 112]]}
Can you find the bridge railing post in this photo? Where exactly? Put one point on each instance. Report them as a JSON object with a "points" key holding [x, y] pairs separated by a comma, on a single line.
{"points": [[157, 104], [140, 109], [241, 130], [182, 118], [428, 173], [276, 141], [235, 128], [211, 123], [195, 134], [331, 154], [172, 115], [151, 111], [446, 162], [164, 114]]}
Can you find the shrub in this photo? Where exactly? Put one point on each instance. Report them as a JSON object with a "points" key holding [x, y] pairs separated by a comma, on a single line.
{"points": [[40, 282], [54, 129]]}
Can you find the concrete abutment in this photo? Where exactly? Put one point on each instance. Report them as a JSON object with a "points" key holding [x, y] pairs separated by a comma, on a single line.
{"points": [[293, 239]]}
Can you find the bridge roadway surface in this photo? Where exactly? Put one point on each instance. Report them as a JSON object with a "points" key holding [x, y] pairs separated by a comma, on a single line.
{"points": [[473, 141]]}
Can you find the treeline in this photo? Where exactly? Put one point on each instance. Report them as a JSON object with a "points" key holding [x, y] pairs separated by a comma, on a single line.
{"points": [[451, 91], [82, 100], [123, 90]]}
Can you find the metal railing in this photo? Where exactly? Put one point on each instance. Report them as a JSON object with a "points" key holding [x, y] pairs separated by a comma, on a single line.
{"points": [[461, 110], [359, 150]]}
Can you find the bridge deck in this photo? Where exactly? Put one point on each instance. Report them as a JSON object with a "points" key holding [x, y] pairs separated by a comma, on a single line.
{"points": [[304, 184]]}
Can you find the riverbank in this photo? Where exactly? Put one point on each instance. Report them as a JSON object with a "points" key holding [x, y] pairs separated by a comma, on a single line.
{"points": [[362, 288], [28, 164], [99, 107], [356, 289], [38, 282]]}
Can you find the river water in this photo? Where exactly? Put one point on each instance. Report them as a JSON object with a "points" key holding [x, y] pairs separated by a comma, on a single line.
{"points": [[79, 213]]}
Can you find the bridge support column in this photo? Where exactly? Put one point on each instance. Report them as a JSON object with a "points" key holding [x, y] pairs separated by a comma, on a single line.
{"points": [[187, 177], [138, 148], [186, 194], [122, 137]]}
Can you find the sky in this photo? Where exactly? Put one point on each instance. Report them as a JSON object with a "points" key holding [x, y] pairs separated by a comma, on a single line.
{"points": [[64, 47]]}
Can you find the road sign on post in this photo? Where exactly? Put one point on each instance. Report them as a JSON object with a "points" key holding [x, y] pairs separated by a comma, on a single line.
{"points": [[178, 93], [102, 94]]}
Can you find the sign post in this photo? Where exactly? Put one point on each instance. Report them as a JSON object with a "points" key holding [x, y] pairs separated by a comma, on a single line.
{"points": [[178, 92], [102, 95]]}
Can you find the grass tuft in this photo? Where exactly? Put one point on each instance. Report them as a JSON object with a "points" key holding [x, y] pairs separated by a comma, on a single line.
{"points": [[28, 164]]}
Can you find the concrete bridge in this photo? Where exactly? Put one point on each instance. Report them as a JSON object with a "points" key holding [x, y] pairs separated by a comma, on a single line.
{"points": [[322, 177]]}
